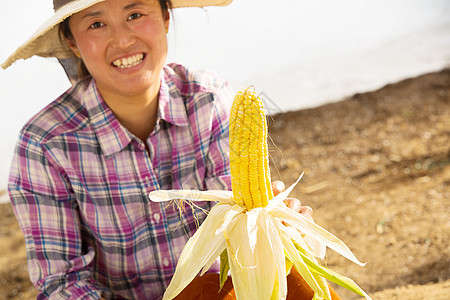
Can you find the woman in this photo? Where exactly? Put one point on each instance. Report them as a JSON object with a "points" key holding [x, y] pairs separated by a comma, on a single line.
{"points": [[84, 165]]}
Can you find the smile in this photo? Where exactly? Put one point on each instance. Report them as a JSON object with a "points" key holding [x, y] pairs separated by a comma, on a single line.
{"points": [[128, 62]]}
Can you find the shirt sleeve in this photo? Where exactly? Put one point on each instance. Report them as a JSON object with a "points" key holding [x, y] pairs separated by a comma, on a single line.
{"points": [[218, 160], [45, 207]]}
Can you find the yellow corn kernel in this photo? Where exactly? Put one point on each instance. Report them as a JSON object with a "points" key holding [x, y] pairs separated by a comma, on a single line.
{"points": [[249, 159]]}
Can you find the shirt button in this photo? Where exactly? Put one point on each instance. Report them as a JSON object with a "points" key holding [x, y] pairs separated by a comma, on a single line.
{"points": [[165, 262], [157, 217]]}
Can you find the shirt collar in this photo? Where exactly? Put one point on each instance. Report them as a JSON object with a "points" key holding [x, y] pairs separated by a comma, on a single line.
{"points": [[171, 105], [112, 136]]}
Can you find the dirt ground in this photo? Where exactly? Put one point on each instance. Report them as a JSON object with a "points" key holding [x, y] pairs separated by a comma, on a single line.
{"points": [[377, 174]]}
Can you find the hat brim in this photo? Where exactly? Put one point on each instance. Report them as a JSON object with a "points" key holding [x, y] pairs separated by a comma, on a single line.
{"points": [[46, 41]]}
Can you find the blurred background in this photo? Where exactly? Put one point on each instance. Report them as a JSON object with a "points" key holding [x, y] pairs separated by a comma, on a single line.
{"points": [[300, 54]]}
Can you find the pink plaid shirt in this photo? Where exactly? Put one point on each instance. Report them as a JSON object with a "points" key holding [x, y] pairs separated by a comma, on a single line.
{"points": [[79, 184]]}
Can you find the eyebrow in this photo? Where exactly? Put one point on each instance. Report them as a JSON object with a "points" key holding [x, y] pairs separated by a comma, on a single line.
{"points": [[132, 5], [92, 14], [98, 13]]}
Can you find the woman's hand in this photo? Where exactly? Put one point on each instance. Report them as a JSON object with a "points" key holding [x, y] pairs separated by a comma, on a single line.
{"points": [[293, 203]]}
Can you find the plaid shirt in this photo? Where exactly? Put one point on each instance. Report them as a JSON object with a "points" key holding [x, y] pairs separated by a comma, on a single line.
{"points": [[79, 185]]}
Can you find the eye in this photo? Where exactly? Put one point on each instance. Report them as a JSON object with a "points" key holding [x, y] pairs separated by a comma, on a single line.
{"points": [[134, 16], [96, 25]]}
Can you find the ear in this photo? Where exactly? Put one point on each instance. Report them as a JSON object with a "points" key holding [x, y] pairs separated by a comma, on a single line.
{"points": [[73, 46], [166, 16]]}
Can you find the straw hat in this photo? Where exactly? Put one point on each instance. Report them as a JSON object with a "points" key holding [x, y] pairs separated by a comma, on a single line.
{"points": [[46, 42]]}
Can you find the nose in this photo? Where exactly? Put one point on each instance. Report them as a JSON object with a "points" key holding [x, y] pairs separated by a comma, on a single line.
{"points": [[122, 36]]}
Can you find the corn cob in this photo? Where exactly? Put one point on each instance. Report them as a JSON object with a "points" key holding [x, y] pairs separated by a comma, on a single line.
{"points": [[256, 247], [249, 161]]}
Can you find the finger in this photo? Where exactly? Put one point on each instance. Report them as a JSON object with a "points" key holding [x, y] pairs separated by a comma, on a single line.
{"points": [[278, 187], [307, 211], [293, 204]]}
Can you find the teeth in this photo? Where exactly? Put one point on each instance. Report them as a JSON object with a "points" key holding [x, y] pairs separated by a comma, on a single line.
{"points": [[128, 62]]}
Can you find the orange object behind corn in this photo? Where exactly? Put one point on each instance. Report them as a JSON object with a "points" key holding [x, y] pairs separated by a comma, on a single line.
{"points": [[207, 287]]}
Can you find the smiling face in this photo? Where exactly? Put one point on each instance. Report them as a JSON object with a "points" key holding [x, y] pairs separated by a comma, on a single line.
{"points": [[123, 45]]}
